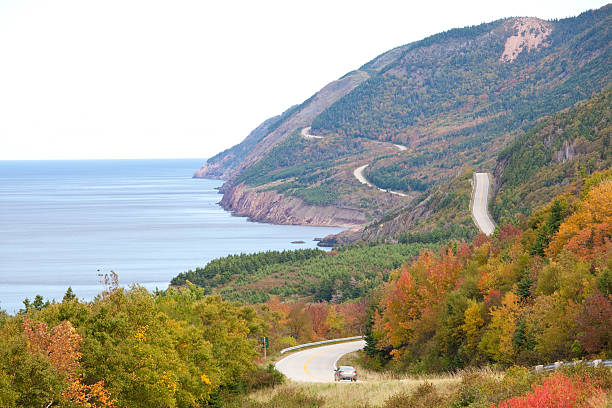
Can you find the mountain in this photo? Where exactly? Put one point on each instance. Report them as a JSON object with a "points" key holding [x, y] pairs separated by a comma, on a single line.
{"points": [[545, 161], [551, 157], [415, 122]]}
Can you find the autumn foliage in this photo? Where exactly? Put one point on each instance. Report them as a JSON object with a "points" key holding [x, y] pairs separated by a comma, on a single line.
{"points": [[557, 391], [61, 346], [529, 295]]}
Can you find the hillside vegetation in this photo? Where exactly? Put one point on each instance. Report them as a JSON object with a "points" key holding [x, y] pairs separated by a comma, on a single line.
{"points": [[535, 294], [455, 100], [347, 274], [545, 160]]}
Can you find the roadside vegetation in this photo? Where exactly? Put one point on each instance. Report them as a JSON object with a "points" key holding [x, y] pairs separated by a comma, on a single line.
{"points": [[131, 348], [531, 294], [535, 292], [479, 388]]}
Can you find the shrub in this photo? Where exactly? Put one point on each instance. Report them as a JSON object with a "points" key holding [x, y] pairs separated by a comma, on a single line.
{"points": [[556, 391], [264, 377], [288, 398], [424, 396]]}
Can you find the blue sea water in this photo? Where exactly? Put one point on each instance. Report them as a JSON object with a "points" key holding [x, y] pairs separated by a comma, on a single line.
{"points": [[62, 221]]}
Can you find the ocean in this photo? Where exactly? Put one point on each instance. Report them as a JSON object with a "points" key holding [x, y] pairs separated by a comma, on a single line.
{"points": [[64, 222]]}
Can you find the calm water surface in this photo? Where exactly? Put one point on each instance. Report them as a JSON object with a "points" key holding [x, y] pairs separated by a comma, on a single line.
{"points": [[61, 221]]}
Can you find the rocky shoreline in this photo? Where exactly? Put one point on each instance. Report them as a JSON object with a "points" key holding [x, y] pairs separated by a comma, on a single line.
{"points": [[274, 208]]}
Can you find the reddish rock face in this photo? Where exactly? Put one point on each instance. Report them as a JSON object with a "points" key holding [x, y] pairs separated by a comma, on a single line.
{"points": [[269, 206]]}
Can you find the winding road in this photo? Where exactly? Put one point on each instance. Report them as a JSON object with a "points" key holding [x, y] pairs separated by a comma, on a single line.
{"points": [[308, 135], [480, 203], [480, 192], [358, 172], [316, 364]]}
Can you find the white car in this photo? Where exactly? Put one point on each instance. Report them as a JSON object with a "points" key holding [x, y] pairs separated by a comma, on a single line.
{"points": [[345, 373]]}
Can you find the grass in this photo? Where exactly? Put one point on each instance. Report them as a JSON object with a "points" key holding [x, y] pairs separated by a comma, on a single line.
{"points": [[372, 389], [476, 388], [360, 394]]}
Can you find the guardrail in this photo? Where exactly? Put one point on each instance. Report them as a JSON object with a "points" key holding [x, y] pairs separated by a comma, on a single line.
{"points": [[559, 364], [317, 343]]}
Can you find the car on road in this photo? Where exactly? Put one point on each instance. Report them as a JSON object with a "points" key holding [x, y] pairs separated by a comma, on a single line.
{"points": [[345, 373]]}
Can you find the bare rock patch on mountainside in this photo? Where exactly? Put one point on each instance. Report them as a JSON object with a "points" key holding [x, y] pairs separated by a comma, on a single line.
{"points": [[531, 32]]}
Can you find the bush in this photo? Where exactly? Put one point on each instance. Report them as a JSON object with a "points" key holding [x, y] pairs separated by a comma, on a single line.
{"points": [[557, 391], [286, 341], [264, 377], [424, 396], [288, 398]]}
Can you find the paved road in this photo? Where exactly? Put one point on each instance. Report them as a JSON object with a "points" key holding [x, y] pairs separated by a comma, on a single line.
{"points": [[358, 173], [308, 135], [316, 364], [480, 205]]}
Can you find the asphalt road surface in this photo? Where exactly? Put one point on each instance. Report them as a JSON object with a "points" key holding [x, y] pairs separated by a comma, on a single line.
{"points": [[480, 206], [358, 173], [316, 364], [308, 135]]}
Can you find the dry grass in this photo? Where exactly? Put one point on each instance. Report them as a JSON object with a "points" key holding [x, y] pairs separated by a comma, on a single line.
{"points": [[372, 389], [354, 395]]}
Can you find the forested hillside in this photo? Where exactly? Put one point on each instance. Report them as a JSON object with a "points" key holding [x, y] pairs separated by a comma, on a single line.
{"points": [[454, 99], [451, 102], [558, 151], [349, 273], [534, 294]]}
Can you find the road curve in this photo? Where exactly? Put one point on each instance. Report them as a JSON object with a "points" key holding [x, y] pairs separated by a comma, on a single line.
{"points": [[358, 173], [308, 135], [316, 364], [480, 202]]}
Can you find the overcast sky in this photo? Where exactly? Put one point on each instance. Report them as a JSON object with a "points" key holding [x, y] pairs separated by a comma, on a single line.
{"points": [[151, 79]]}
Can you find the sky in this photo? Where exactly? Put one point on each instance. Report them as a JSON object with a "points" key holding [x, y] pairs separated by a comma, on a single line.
{"points": [[170, 79]]}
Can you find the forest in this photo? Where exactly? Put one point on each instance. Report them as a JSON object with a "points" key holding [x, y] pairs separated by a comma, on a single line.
{"points": [[563, 148], [430, 294], [173, 348], [533, 293], [348, 273]]}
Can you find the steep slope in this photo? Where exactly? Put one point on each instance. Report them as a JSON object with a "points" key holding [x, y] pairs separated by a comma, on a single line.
{"points": [[454, 100], [456, 97], [223, 164], [272, 131], [545, 160], [542, 163]]}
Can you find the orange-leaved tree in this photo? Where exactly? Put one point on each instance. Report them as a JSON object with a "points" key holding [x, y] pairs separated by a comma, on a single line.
{"points": [[61, 346]]}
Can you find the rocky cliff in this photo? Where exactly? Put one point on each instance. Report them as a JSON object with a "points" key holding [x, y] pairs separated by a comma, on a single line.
{"points": [[269, 206]]}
